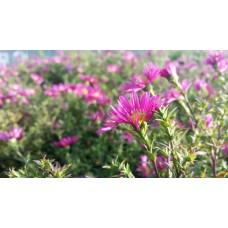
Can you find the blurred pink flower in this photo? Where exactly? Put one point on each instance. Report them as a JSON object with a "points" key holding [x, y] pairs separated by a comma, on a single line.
{"points": [[89, 78], [149, 53], [129, 57], [107, 126], [144, 166], [215, 58], [209, 120], [67, 141], [96, 116], [112, 68], [169, 70], [222, 65], [160, 162], [151, 72], [61, 52], [210, 90], [199, 84], [36, 78], [128, 137], [134, 85], [16, 133], [192, 125], [4, 136], [170, 96], [185, 85], [56, 125]]}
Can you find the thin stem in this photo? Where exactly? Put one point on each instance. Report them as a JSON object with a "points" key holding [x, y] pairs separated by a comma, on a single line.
{"points": [[156, 169], [189, 107]]}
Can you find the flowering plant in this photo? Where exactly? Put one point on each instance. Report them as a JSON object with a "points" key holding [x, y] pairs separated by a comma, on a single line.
{"points": [[115, 114]]}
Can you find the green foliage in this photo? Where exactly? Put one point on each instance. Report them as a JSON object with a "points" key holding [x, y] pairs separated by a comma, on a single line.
{"points": [[43, 168]]}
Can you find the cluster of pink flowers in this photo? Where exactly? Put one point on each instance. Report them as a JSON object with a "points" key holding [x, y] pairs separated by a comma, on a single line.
{"points": [[37, 78], [57, 89], [217, 60], [92, 94], [67, 141], [90, 91], [14, 133], [146, 169], [200, 84], [15, 93], [89, 78]]}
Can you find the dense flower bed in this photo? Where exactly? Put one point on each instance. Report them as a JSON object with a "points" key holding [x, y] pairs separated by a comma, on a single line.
{"points": [[115, 114]]}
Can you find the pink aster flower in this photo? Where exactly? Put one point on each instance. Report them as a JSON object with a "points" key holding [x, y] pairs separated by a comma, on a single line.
{"points": [[215, 58], [128, 137], [170, 96], [151, 72], [4, 136], [211, 91], [222, 65], [67, 141], [200, 84], [209, 120], [144, 166], [112, 68], [16, 133], [96, 116], [129, 56], [136, 84], [96, 94], [135, 111], [185, 85], [149, 53], [88, 78], [27, 92], [108, 126], [192, 124], [36, 78], [160, 162], [169, 70]]}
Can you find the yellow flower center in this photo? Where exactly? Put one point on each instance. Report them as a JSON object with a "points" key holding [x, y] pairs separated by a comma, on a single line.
{"points": [[139, 117], [85, 91], [96, 94]]}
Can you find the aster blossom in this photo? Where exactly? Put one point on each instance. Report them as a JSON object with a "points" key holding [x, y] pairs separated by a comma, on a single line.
{"points": [[215, 58], [209, 120], [169, 70], [151, 72], [136, 84], [135, 111], [14, 133], [67, 141]]}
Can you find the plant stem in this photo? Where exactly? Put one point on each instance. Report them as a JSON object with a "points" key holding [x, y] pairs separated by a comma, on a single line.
{"points": [[149, 151]]}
